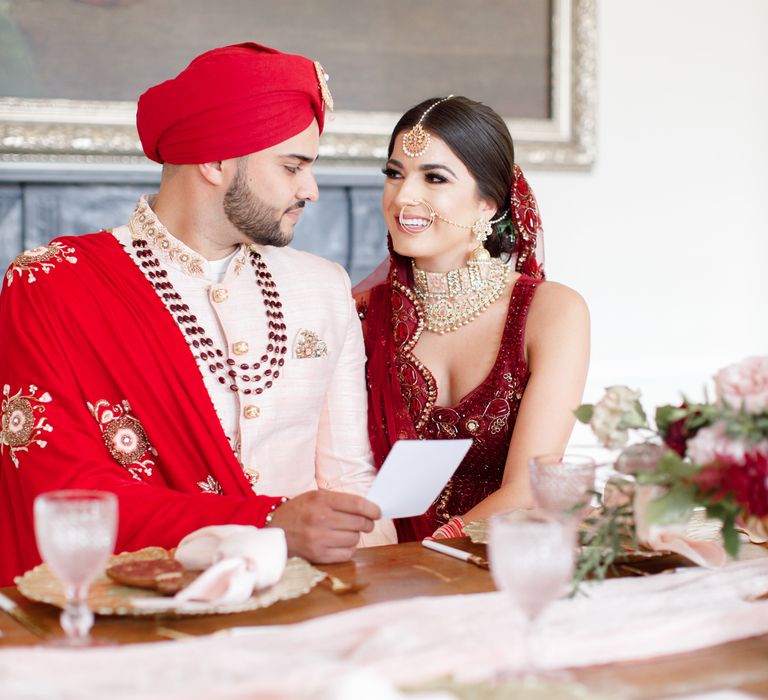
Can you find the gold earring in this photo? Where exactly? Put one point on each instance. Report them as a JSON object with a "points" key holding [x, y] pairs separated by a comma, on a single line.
{"points": [[480, 254], [482, 228]]}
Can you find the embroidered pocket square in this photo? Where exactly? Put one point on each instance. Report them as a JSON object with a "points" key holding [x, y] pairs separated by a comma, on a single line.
{"points": [[308, 344]]}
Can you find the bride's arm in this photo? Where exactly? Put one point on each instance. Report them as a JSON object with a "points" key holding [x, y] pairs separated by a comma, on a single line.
{"points": [[557, 349]]}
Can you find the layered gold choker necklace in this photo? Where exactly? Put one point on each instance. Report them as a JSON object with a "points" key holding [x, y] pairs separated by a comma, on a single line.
{"points": [[452, 299]]}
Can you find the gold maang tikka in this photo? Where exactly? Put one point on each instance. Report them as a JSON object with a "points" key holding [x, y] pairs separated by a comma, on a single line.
{"points": [[416, 140]]}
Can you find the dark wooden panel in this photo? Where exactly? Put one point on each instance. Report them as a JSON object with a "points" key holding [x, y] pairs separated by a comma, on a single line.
{"points": [[55, 210], [10, 224], [324, 226], [370, 233]]}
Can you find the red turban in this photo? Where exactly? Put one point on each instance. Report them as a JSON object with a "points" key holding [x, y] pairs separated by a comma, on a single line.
{"points": [[230, 102]]}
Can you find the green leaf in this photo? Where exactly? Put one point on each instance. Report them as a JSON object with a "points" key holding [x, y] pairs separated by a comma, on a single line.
{"points": [[730, 536], [761, 426], [603, 536], [726, 511], [584, 412], [671, 469], [673, 507], [673, 465], [723, 509], [648, 478], [666, 415], [634, 419]]}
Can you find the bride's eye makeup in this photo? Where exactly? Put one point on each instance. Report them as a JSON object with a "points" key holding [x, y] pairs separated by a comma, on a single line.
{"points": [[435, 179]]}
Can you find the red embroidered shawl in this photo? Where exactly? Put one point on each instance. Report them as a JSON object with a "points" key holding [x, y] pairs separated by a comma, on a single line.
{"points": [[101, 391]]}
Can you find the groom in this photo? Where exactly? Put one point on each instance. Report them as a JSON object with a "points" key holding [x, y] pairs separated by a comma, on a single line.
{"points": [[188, 361]]}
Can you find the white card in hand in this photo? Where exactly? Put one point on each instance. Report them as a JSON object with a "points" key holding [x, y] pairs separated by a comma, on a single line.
{"points": [[413, 475]]}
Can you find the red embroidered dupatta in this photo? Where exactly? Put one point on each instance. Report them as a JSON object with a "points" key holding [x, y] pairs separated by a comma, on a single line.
{"points": [[101, 391]]}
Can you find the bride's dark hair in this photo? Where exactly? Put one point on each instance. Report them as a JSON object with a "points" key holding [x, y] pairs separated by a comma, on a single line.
{"points": [[480, 139]]}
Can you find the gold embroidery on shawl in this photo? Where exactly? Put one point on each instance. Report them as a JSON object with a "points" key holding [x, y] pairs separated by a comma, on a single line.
{"points": [[41, 259], [124, 437], [210, 485], [23, 421]]}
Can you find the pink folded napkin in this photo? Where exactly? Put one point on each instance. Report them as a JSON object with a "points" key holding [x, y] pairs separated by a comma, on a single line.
{"points": [[675, 537], [237, 559]]}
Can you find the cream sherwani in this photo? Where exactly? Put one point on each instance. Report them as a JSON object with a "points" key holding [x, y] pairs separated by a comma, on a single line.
{"points": [[309, 429]]}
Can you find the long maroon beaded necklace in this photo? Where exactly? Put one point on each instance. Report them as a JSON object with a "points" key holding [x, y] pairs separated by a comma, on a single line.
{"points": [[258, 375]]}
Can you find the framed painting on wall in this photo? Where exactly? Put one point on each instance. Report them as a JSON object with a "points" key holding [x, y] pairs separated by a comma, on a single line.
{"points": [[71, 70]]}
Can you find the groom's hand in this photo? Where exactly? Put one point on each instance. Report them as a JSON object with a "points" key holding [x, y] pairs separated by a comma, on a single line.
{"points": [[324, 526]]}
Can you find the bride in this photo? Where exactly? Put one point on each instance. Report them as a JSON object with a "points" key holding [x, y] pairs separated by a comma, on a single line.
{"points": [[464, 337]]}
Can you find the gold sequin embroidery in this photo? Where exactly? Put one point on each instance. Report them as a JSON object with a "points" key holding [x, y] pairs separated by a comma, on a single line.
{"points": [[406, 359], [43, 259], [124, 437], [210, 485], [23, 421]]}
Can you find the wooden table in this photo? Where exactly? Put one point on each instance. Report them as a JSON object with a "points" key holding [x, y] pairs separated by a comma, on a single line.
{"points": [[408, 570]]}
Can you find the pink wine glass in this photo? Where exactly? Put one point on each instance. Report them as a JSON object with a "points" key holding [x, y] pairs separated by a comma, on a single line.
{"points": [[75, 532]]}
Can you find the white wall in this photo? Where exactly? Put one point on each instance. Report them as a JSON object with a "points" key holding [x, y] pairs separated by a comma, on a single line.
{"points": [[667, 236]]}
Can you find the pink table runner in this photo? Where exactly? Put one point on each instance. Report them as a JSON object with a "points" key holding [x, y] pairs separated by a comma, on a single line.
{"points": [[410, 641]]}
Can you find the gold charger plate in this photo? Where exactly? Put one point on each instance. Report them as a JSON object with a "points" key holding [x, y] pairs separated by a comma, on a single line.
{"points": [[108, 598], [478, 531]]}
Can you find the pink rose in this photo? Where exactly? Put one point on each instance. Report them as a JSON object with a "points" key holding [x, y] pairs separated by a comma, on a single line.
{"points": [[711, 443], [744, 384]]}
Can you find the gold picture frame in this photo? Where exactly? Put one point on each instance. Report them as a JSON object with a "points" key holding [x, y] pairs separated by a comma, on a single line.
{"points": [[93, 132]]}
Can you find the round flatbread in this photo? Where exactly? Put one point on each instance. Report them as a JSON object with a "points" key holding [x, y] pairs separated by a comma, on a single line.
{"points": [[164, 575]]}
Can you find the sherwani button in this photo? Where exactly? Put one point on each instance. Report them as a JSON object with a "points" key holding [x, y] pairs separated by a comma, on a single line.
{"points": [[240, 347], [252, 474], [220, 294], [251, 411]]}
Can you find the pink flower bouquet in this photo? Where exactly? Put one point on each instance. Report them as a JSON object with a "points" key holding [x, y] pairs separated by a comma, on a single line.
{"points": [[712, 454]]}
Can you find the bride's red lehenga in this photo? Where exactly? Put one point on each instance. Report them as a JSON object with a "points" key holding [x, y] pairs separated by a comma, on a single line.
{"points": [[402, 391]]}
